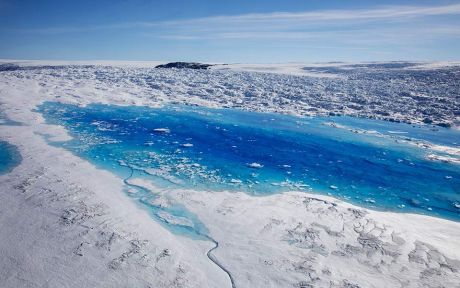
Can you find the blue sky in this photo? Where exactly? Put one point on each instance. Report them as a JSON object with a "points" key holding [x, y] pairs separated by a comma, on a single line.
{"points": [[230, 31]]}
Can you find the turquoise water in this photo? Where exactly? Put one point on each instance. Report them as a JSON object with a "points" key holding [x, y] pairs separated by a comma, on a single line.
{"points": [[9, 157], [9, 154], [367, 162]]}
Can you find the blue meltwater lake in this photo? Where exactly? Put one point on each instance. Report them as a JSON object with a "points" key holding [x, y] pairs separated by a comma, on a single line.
{"points": [[371, 163], [9, 157], [9, 154]]}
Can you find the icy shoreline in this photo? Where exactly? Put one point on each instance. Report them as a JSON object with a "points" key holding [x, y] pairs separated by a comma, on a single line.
{"points": [[62, 218], [315, 238], [67, 224]]}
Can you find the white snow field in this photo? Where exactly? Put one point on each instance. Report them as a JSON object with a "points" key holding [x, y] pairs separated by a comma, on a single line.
{"points": [[65, 223]]}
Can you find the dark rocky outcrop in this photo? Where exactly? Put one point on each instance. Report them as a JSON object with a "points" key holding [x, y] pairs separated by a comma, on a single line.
{"points": [[183, 65], [8, 67]]}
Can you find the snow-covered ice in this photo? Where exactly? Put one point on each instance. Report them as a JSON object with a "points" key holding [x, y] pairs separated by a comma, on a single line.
{"points": [[65, 223]]}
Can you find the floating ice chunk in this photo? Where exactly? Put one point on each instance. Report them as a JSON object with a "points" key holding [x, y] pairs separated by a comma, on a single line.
{"points": [[161, 130], [235, 181], [448, 177], [255, 165], [457, 205], [300, 185], [369, 200], [286, 166], [187, 145], [333, 187]]}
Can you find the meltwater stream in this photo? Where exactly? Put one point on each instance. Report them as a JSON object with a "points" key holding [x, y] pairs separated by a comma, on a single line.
{"points": [[376, 164]]}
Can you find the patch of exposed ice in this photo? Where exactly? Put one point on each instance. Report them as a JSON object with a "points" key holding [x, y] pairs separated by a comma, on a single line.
{"points": [[443, 158], [162, 130], [175, 220]]}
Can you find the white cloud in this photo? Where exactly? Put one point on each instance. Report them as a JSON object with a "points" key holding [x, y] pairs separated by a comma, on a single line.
{"points": [[389, 12], [390, 23], [283, 25]]}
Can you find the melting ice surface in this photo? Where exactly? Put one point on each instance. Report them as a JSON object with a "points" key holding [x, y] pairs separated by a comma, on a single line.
{"points": [[371, 163]]}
